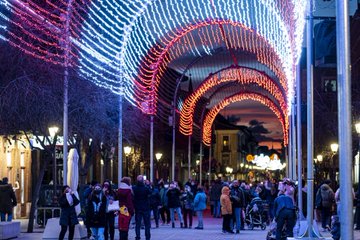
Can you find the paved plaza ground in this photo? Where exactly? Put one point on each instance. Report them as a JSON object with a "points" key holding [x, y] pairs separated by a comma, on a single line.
{"points": [[212, 231]]}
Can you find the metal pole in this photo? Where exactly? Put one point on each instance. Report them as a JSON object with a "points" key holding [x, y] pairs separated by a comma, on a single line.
{"points": [[151, 148], [189, 156], [210, 153], [310, 121], [344, 117], [66, 90], [173, 144], [293, 141], [299, 139], [55, 175], [201, 159], [120, 143], [290, 147]]}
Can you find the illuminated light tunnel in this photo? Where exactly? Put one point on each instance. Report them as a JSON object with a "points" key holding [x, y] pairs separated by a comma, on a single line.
{"points": [[232, 74], [210, 116], [110, 40], [156, 62]]}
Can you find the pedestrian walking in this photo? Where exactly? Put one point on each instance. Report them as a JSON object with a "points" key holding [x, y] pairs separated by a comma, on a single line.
{"points": [[124, 194], [7, 201], [164, 210], [226, 209], [187, 202], [173, 195], [200, 206], [142, 207], [284, 213], [68, 217], [155, 202], [215, 193], [326, 198], [237, 198], [96, 213], [110, 215]]}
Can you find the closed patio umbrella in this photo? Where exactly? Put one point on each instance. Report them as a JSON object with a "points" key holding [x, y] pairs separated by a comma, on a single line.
{"points": [[73, 174]]}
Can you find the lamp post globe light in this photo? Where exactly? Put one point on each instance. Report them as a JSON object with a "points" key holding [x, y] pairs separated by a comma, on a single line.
{"points": [[357, 220], [53, 131], [158, 157], [334, 148], [127, 151]]}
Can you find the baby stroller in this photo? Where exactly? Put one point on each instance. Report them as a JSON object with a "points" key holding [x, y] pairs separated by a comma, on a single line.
{"points": [[254, 214]]}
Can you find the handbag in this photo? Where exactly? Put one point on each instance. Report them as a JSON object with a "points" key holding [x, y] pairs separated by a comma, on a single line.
{"points": [[114, 206]]}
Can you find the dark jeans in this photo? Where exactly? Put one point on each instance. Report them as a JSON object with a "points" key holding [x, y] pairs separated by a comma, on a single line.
{"points": [[325, 216], [109, 227], [155, 210], [63, 232], [226, 222], [124, 235], [287, 216], [188, 212], [140, 215], [164, 210]]}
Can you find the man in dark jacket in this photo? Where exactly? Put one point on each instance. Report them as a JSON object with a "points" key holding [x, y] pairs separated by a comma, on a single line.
{"points": [[237, 198], [142, 207], [284, 212], [7, 202], [215, 193]]}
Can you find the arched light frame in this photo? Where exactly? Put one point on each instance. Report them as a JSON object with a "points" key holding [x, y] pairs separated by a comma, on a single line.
{"points": [[116, 36], [210, 116], [243, 76], [154, 24]]}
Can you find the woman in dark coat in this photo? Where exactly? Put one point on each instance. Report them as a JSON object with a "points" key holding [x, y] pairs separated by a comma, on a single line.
{"points": [[96, 212], [68, 216], [124, 194], [110, 215]]}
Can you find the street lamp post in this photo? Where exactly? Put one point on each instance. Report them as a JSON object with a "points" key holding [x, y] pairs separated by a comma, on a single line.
{"points": [[127, 151], [357, 127], [319, 159], [229, 171], [334, 148], [158, 157], [53, 131]]}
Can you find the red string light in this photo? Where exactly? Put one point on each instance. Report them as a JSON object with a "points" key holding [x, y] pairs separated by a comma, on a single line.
{"points": [[241, 75], [210, 116]]}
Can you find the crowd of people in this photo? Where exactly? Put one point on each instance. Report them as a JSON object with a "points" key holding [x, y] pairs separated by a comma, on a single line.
{"points": [[174, 204]]}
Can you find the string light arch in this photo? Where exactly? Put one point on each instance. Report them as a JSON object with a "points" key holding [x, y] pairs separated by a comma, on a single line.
{"points": [[210, 116], [241, 75]]}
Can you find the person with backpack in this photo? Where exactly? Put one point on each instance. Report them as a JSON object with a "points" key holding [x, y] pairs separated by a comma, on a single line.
{"points": [[325, 197]]}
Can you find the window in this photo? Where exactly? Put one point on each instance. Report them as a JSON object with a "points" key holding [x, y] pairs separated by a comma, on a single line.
{"points": [[226, 144], [330, 85]]}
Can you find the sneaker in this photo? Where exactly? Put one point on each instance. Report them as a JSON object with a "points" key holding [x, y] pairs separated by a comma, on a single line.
{"points": [[200, 228]]}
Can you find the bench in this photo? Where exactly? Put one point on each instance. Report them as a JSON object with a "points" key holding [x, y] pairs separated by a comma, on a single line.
{"points": [[9, 230]]}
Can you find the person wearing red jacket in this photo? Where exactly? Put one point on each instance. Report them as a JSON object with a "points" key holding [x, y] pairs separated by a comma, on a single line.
{"points": [[125, 196]]}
